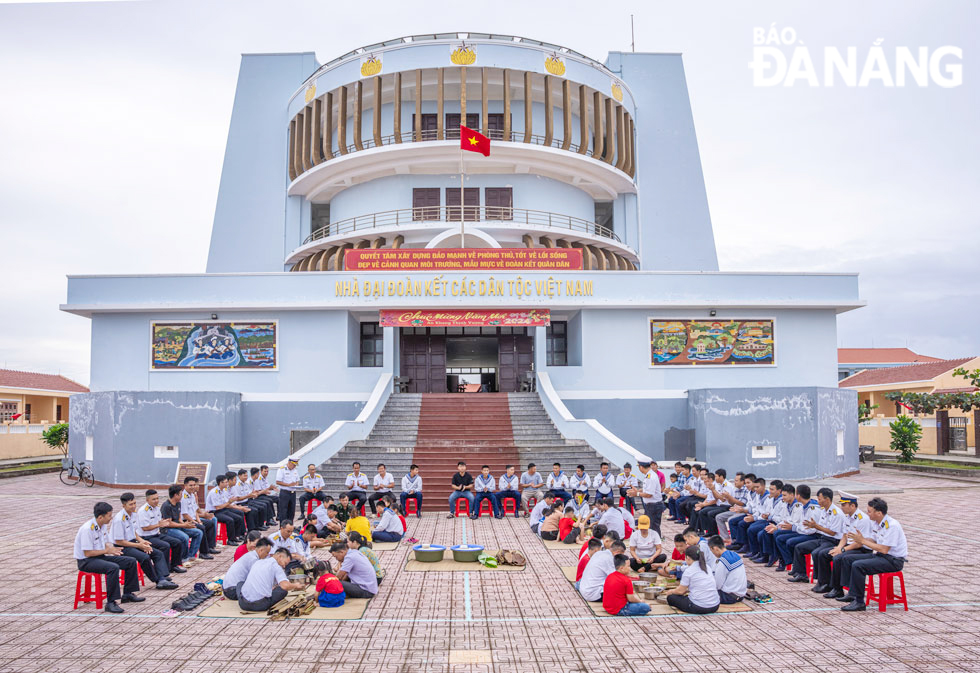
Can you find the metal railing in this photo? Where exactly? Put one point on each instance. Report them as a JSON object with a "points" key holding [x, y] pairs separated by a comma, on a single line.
{"points": [[407, 216], [516, 136]]}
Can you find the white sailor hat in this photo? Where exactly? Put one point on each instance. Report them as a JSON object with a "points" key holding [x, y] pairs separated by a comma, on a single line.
{"points": [[846, 498]]}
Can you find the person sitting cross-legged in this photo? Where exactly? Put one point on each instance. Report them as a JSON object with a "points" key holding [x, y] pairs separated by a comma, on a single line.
{"points": [[95, 554], [238, 572], [327, 521], [593, 546], [250, 541], [356, 573], [537, 514], [266, 583], [357, 541], [618, 597], [359, 524], [645, 547], [462, 488], [548, 529], [388, 527], [730, 576], [598, 569], [697, 593]]}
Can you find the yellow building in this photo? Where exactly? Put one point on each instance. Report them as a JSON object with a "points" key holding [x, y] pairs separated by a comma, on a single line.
{"points": [[942, 432], [29, 404]]}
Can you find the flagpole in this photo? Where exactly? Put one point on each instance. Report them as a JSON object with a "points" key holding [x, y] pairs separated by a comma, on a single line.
{"points": [[462, 233]]}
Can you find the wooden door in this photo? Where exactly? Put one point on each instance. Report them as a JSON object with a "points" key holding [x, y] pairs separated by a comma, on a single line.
{"points": [[453, 122], [414, 362], [437, 364], [430, 123], [495, 126], [499, 202], [425, 203], [507, 364], [525, 357], [471, 208]]}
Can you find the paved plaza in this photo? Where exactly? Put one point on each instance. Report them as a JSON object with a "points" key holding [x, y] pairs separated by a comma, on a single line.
{"points": [[506, 622]]}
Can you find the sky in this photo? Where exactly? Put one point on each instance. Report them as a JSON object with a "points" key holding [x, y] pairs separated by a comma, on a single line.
{"points": [[114, 115]]}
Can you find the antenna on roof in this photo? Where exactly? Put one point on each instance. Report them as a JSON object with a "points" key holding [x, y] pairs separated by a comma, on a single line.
{"points": [[632, 35]]}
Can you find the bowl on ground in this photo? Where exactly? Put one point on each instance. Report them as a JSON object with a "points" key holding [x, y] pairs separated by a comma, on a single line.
{"points": [[466, 553], [429, 553], [648, 577]]}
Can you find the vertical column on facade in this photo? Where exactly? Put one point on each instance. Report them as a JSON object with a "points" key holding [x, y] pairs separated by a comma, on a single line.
{"points": [[610, 145], [379, 242], [397, 242], [317, 128], [546, 242], [484, 111], [620, 139], [418, 105], [528, 240], [528, 101], [376, 117], [632, 150], [599, 257], [326, 146], [440, 105], [566, 114], [306, 118], [325, 260], [291, 150], [597, 134], [462, 96], [358, 113], [507, 105], [342, 120], [629, 144], [340, 261], [396, 116], [549, 113], [583, 120]]}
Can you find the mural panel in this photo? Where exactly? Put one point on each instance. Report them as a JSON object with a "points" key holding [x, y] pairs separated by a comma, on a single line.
{"points": [[712, 342], [214, 345]]}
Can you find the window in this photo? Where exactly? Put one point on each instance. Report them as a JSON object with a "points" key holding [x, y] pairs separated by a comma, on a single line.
{"points": [[452, 124], [372, 344], [58, 413], [7, 411], [425, 204], [604, 214], [499, 202], [495, 126], [319, 217], [27, 413], [430, 123], [471, 208], [557, 337]]}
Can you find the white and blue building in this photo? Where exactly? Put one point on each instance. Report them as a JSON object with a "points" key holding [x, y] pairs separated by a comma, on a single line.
{"points": [[652, 349]]}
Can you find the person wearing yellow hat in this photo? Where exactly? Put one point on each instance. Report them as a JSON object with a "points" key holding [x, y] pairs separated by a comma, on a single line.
{"points": [[287, 479], [645, 547]]}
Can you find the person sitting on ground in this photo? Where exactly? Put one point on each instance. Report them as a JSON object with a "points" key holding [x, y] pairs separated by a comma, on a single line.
{"points": [[356, 573], [388, 528], [462, 488], [618, 597], [583, 510], [327, 522], [568, 531], [598, 569], [611, 517], [697, 593], [357, 541], [312, 488], [259, 549], [359, 524], [412, 490], [548, 530], [383, 483], [345, 509], [645, 547], [730, 578], [266, 583], [184, 530], [249, 544], [557, 483], [680, 546], [330, 591], [531, 483], [537, 514], [282, 538], [483, 488], [676, 567], [593, 546], [629, 521], [598, 533], [123, 535], [152, 527], [94, 554], [694, 539], [507, 486]]}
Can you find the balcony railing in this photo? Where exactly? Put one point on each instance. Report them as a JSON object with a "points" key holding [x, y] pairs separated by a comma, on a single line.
{"points": [[536, 219], [516, 136]]}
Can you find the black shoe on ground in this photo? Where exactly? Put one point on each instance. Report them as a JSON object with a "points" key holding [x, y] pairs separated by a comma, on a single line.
{"points": [[854, 606], [215, 551], [450, 516], [798, 579], [833, 593], [178, 569], [734, 546], [770, 563], [132, 598], [845, 599], [166, 585], [821, 589], [781, 567], [206, 557], [112, 606]]}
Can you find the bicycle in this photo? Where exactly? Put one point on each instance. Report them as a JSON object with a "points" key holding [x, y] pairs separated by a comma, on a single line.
{"points": [[72, 472]]}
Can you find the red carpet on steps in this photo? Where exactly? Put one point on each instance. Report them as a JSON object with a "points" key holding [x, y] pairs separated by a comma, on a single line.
{"points": [[474, 428]]}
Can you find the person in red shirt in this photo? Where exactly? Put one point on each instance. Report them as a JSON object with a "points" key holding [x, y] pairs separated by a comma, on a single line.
{"points": [[617, 592], [594, 545], [568, 532], [249, 544], [597, 532], [680, 546], [330, 592]]}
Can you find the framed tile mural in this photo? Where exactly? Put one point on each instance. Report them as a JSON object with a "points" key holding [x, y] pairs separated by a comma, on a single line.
{"points": [[214, 345], [712, 342]]}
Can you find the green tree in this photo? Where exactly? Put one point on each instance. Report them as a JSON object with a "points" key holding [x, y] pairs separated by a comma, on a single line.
{"points": [[864, 411], [57, 437], [929, 403], [905, 434]]}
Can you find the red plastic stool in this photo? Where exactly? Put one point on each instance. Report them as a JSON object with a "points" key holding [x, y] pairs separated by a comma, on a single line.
{"points": [[512, 509], [404, 523], [89, 594], [362, 510], [309, 505], [139, 573], [462, 503], [809, 567], [622, 501], [885, 595], [411, 506], [531, 502], [485, 510], [222, 535]]}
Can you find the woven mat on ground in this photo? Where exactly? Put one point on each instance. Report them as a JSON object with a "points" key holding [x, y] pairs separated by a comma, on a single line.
{"points": [[353, 608], [449, 565], [569, 573], [661, 608], [558, 544], [384, 546]]}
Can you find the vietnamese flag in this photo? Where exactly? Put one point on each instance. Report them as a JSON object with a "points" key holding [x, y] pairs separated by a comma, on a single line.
{"points": [[473, 141]]}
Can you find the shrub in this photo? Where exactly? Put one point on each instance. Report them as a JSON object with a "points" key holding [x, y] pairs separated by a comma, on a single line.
{"points": [[905, 434], [56, 437]]}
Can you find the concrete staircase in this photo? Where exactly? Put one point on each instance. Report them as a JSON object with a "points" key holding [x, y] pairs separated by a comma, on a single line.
{"points": [[392, 441]]}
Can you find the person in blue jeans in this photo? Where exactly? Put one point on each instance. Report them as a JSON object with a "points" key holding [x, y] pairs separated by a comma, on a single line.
{"points": [[462, 488], [483, 488], [618, 597], [185, 531]]}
